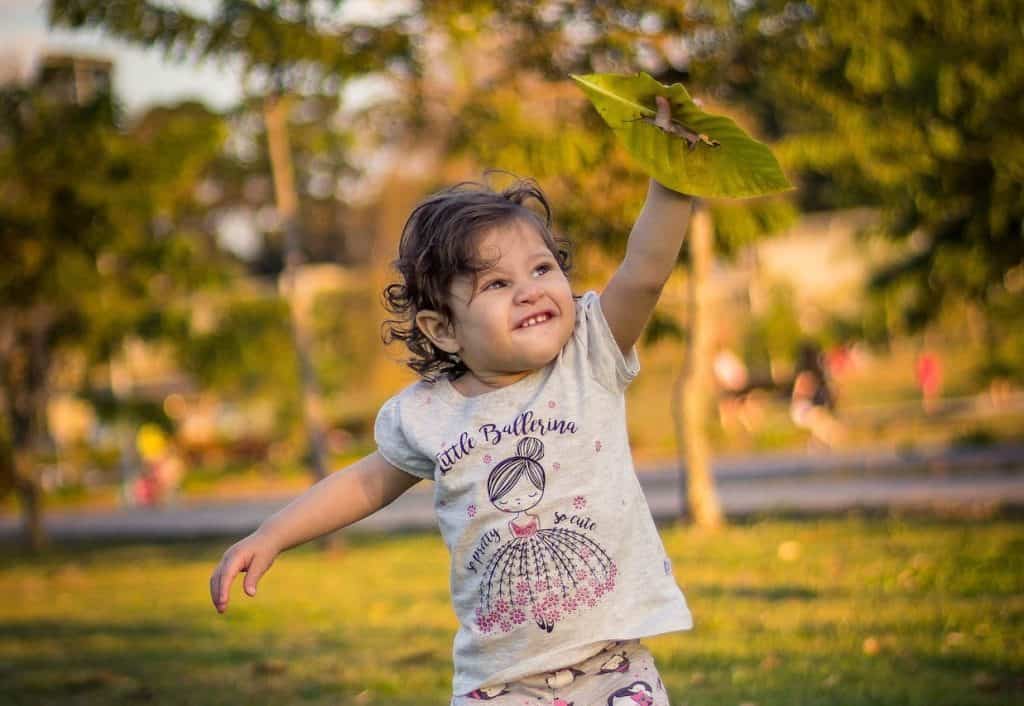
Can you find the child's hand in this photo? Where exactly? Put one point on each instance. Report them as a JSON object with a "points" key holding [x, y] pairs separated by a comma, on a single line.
{"points": [[251, 556]]}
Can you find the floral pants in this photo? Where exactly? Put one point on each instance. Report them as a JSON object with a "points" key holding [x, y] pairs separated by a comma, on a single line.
{"points": [[622, 674]]}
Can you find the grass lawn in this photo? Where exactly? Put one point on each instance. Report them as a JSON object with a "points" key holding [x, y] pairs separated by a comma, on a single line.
{"points": [[842, 611]]}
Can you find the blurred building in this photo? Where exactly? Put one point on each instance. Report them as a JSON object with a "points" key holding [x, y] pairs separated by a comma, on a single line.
{"points": [[67, 78], [71, 78]]}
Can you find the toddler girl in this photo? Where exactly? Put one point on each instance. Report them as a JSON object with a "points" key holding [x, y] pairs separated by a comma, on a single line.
{"points": [[557, 569]]}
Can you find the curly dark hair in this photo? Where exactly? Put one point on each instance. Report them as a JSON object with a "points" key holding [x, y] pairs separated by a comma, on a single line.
{"points": [[439, 242]]}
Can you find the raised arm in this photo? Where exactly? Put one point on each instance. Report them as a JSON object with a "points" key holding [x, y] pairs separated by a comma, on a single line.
{"points": [[654, 242], [337, 501]]}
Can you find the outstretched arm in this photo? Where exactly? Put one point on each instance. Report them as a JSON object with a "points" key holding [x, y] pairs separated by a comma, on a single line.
{"points": [[634, 289], [337, 501]]}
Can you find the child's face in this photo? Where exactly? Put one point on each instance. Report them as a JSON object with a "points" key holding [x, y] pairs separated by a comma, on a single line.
{"points": [[515, 316], [522, 496]]}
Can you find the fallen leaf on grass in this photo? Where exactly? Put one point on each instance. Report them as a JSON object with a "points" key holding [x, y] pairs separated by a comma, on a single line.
{"points": [[269, 666], [98, 679], [420, 657], [983, 681]]}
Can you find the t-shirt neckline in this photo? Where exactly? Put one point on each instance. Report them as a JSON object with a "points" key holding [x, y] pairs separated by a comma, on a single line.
{"points": [[523, 383]]}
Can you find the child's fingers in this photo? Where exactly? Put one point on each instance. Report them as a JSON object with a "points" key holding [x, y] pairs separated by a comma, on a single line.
{"points": [[222, 578], [257, 567]]}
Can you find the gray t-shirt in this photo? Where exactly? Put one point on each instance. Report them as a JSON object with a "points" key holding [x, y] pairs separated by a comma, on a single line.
{"points": [[554, 550]]}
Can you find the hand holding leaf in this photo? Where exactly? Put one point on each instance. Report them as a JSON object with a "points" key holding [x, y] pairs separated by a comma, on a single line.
{"points": [[680, 145]]}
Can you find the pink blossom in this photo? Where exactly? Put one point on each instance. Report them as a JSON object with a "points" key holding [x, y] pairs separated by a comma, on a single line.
{"points": [[471, 510], [579, 502], [551, 404], [487, 458]]}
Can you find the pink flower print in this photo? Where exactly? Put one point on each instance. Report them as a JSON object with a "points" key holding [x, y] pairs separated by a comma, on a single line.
{"points": [[571, 605], [501, 607], [556, 465], [579, 502], [538, 586], [518, 616], [581, 575], [471, 510], [597, 445], [506, 625], [551, 404], [487, 458]]}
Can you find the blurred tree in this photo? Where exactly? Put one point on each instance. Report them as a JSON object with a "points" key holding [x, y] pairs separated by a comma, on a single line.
{"points": [[287, 50], [93, 241], [915, 108]]}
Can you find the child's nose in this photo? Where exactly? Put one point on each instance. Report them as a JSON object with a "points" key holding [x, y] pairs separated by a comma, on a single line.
{"points": [[528, 292]]}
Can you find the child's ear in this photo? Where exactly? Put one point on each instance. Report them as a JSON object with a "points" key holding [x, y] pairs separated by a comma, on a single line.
{"points": [[438, 329]]}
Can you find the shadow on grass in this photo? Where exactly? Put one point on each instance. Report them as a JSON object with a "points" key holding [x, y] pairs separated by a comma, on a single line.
{"points": [[762, 593], [183, 551], [105, 662]]}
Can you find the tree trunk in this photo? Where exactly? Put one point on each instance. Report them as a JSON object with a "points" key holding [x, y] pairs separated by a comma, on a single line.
{"points": [[702, 497], [26, 362], [275, 115]]}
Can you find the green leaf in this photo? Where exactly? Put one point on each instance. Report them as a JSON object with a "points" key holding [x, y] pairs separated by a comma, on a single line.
{"points": [[740, 167]]}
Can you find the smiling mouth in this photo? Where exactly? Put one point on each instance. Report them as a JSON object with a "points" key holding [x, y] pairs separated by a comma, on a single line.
{"points": [[534, 320]]}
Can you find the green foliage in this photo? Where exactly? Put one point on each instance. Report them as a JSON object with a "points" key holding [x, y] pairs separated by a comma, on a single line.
{"points": [[300, 44], [720, 160], [90, 215], [247, 351], [344, 328], [738, 225], [914, 107], [775, 334]]}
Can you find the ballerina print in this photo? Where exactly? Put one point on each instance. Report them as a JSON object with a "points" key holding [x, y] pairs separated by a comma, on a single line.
{"points": [[542, 575], [639, 693]]}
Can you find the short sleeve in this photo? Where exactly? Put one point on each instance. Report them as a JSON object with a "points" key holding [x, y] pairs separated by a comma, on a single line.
{"points": [[610, 367], [393, 444]]}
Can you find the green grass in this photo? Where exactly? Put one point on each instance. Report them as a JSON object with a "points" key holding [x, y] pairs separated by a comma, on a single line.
{"points": [[848, 611]]}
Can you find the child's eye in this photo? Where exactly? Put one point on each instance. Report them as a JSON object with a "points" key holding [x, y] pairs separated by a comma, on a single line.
{"points": [[543, 269], [494, 284]]}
